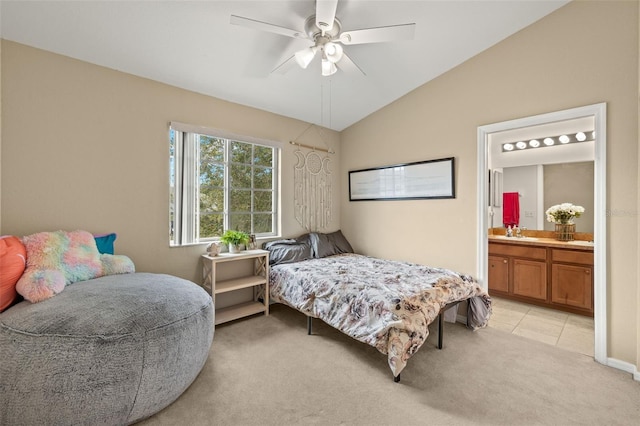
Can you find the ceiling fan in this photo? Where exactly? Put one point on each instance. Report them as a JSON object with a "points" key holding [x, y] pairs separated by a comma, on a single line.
{"points": [[325, 31]]}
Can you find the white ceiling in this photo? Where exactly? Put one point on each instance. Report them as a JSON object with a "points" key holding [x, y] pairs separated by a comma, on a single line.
{"points": [[192, 45]]}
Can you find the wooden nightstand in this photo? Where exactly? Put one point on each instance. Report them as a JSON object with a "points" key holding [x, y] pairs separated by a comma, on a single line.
{"points": [[259, 280]]}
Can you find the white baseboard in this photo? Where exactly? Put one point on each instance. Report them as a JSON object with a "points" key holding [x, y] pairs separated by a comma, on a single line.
{"points": [[624, 366]]}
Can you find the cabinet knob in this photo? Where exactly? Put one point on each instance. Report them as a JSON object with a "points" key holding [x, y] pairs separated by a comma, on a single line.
{"points": [[504, 261], [587, 271]]}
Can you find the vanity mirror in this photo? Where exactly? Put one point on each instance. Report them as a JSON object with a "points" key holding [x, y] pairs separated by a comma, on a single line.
{"points": [[545, 176], [541, 186]]}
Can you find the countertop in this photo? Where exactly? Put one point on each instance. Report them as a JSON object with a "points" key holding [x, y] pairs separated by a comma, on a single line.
{"points": [[543, 242]]}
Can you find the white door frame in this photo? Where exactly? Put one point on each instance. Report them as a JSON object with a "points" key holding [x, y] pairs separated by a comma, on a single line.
{"points": [[599, 113]]}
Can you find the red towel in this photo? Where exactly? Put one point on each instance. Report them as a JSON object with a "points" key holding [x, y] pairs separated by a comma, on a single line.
{"points": [[510, 209]]}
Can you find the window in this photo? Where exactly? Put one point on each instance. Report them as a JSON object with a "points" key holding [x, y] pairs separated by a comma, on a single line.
{"points": [[220, 182]]}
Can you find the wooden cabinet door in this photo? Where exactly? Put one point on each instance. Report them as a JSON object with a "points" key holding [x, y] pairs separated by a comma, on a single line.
{"points": [[499, 274], [530, 279], [572, 285]]}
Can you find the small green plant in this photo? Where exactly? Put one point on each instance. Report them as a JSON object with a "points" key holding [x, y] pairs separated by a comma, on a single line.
{"points": [[234, 237]]}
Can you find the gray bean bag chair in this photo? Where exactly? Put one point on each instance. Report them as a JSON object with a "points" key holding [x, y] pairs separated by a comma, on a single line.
{"points": [[111, 350]]}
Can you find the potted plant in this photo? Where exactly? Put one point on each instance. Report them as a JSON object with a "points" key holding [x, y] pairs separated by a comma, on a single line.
{"points": [[234, 239]]}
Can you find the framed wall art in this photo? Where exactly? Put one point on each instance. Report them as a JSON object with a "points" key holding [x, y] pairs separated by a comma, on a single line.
{"points": [[411, 181]]}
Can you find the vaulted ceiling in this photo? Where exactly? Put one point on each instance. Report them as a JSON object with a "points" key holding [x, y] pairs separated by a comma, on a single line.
{"points": [[193, 45]]}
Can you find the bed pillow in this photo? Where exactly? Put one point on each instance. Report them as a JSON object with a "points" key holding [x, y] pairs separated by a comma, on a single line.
{"points": [[290, 250], [104, 243], [324, 245], [13, 257]]}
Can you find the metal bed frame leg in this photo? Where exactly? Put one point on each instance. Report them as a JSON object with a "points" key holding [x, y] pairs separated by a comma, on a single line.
{"points": [[309, 324], [441, 322], [440, 329]]}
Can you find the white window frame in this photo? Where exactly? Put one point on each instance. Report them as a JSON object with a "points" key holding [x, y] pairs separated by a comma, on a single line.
{"points": [[187, 173]]}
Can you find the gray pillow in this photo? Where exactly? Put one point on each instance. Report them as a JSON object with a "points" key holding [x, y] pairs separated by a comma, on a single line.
{"points": [[289, 250], [324, 245]]}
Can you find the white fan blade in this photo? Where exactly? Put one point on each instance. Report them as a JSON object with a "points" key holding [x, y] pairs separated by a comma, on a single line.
{"points": [[325, 14], [286, 66], [347, 65], [379, 34], [263, 26]]}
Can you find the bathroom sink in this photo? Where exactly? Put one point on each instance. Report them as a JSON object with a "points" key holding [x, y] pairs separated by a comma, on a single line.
{"points": [[581, 243], [504, 237]]}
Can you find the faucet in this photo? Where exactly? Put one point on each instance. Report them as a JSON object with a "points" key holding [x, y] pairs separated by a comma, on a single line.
{"points": [[520, 232]]}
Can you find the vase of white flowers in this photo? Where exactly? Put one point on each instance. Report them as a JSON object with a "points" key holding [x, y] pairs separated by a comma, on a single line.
{"points": [[563, 215]]}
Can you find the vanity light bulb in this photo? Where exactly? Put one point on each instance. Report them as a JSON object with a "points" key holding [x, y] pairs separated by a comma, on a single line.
{"points": [[534, 143], [593, 135], [521, 145], [564, 139], [548, 141], [581, 136], [507, 147]]}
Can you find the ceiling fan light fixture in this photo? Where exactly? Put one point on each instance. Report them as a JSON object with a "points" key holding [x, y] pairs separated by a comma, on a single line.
{"points": [[305, 56], [333, 52], [328, 68]]}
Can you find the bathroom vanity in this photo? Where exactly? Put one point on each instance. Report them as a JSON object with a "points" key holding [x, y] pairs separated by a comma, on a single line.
{"points": [[543, 271]]}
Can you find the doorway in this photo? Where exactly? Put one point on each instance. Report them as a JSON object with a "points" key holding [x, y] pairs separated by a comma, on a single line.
{"points": [[598, 113]]}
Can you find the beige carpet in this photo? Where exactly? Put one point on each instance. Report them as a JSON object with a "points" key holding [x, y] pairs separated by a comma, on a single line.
{"points": [[268, 371]]}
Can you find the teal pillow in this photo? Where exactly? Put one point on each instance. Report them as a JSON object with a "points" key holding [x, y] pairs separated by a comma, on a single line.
{"points": [[105, 243]]}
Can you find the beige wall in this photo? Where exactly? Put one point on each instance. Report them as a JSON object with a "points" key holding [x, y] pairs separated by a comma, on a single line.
{"points": [[584, 53], [638, 214], [86, 147], [570, 182], [0, 136]]}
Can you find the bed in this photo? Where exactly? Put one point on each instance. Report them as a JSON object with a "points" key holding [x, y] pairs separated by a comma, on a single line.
{"points": [[383, 303]]}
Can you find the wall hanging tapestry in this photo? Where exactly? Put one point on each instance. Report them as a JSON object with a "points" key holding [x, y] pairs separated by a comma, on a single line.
{"points": [[312, 190]]}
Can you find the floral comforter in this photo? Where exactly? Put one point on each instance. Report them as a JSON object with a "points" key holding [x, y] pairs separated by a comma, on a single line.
{"points": [[386, 304]]}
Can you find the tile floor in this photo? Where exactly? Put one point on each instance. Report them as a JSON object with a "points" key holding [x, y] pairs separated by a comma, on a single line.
{"points": [[569, 331]]}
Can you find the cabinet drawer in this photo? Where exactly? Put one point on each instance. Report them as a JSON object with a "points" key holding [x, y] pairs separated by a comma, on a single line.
{"points": [[572, 256], [518, 251]]}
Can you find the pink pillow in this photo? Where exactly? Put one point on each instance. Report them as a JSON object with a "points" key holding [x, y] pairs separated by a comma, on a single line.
{"points": [[13, 260], [55, 259]]}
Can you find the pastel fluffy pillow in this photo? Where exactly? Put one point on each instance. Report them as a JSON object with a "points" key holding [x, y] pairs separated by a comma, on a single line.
{"points": [[57, 259]]}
